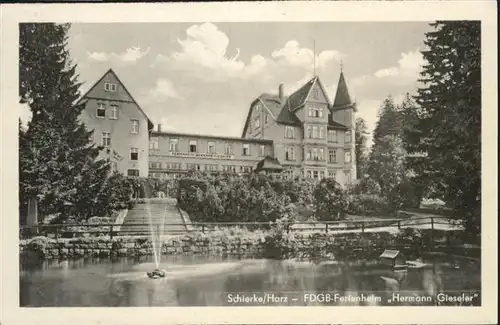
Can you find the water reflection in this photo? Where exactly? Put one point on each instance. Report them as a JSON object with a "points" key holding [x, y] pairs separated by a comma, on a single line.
{"points": [[202, 281]]}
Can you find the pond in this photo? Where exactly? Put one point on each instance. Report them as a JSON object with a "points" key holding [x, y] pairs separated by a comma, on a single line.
{"points": [[214, 281]]}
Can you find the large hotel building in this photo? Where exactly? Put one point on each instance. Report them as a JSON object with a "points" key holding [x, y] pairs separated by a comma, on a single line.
{"points": [[300, 135]]}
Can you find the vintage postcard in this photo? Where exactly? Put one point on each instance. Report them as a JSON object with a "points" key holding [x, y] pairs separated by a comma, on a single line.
{"points": [[267, 162]]}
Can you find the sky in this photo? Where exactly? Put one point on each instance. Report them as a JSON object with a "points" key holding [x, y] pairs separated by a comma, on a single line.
{"points": [[201, 77]]}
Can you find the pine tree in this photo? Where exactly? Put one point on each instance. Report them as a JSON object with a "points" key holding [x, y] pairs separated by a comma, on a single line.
{"points": [[58, 162], [448, 129], [418, 178], [389, 120], [361, 149]]}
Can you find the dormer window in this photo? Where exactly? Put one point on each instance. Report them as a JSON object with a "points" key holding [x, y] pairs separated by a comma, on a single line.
{"points": [[109, 87]]}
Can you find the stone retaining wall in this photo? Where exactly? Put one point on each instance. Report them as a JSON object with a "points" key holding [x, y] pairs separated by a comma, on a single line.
{"points": [[136, 246], [256, 244]]}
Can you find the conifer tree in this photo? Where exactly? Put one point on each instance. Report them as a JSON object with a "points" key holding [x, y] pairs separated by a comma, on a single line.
{"points": [[418, 178], [389, 120], [448, 129], [58, 163], [387, 154], [361, 149]]}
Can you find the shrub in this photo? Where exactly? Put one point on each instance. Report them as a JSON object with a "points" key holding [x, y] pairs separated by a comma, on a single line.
{"points": [[224, 197], [330, 200], [365, 185], [367, 205]]}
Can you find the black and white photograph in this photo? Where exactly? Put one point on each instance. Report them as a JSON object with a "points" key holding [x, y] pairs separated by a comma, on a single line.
{"points": [[226, 162]]}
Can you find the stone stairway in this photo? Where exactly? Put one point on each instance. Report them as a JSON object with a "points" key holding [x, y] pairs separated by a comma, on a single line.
{"points": [[159, 209]]}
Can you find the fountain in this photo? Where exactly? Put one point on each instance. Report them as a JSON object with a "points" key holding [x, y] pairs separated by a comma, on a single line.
{"points": [[155, 238]]}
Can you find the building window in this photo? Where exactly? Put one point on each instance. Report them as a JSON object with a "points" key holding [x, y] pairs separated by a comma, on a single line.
{"points": [[315, 174], [321, 132], [315, 111], [133, 172], [332, 155], [315, 132], [332, 135], [246, 169], [101, 110], [114, 112], [110, 87], [262, 150], [289, 153], [228, 149], [173, 145], [266, 118], [153, 143], [289, 132], [106, 139], [257, 122], [309, 132], [211, 168], [192, 146], [347, 177], [332, 174], [135, 126], [173, 166], [193, 166], [231, 169], [134, 154], [155, 165], [316, 154], [308, 174], [347, 157], [348, 136], [211, 147], [246, 149]]}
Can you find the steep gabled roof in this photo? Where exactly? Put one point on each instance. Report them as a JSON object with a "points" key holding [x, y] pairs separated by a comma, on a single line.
{"points": [[110, 71], [298, 98], [342, 98], [273, 103], [288, 117], [284, 109]]}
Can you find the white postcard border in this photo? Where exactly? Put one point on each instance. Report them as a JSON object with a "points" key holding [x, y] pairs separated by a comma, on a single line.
{"points": [[11, 15]]}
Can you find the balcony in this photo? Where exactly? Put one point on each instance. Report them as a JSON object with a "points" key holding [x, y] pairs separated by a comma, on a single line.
{"points": [[200, 155]]}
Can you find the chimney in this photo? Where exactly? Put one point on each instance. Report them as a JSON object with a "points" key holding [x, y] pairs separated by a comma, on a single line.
{"points": [[159, 127], [281, 91]]}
